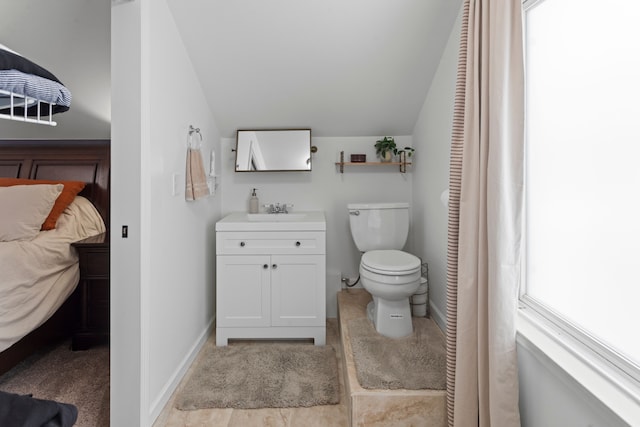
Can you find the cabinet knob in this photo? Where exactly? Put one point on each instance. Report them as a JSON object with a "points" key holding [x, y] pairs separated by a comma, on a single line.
{"points": [[297, 243], [242, 244], [265, 266], [274, 266]]}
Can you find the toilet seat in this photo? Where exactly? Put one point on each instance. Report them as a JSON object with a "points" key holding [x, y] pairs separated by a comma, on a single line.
{"points": [[390, 262]]}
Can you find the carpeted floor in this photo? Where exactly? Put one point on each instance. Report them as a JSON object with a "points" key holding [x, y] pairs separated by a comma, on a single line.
{"points": [[77, 377], [262, 375], [415, 362]]}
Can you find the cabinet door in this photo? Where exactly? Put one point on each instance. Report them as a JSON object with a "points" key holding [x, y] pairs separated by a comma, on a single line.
{"points": [[298, 290], [243, 291]]}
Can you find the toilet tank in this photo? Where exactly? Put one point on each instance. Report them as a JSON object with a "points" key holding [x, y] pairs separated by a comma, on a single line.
{"points": [[379, 225]]}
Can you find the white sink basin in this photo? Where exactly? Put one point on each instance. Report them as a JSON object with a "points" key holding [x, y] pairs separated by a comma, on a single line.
{"points": [[263, 217], [298, 221]]}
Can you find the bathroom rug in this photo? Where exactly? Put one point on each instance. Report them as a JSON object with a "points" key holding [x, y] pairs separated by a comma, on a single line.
{"points": [[262, 375], [415, 362]]}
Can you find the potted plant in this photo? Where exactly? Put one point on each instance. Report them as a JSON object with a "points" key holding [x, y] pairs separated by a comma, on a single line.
{"points": [[386, 148], [408, 152]]}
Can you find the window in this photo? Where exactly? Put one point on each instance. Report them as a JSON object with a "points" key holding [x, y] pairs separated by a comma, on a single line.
{"points": [[582, 217]]}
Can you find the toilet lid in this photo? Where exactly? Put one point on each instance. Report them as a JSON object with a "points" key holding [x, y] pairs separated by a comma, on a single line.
{"points": [[386, 261]]}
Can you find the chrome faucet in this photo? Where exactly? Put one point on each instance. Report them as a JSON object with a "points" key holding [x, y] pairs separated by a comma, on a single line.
{"points": [[277, 208]]}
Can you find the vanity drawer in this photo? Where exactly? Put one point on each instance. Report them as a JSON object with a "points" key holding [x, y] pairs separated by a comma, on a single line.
{"points": [[270, 242]]}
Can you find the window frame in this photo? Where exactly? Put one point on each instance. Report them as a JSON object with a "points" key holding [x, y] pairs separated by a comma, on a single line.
{"points": [[618, 363], [608, 375]]}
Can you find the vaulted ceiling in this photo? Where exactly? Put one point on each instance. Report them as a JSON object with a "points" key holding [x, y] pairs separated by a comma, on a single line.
{"points": [[341, 67]]}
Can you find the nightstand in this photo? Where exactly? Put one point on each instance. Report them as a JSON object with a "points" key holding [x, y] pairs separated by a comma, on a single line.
{"points": [[94, 291]]}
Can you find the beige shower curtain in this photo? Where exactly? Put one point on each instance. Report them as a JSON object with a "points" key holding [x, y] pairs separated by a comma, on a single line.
{"points": [[485, 209]]}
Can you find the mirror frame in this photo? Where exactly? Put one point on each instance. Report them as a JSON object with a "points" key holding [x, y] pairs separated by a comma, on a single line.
{"points": [[310, 150]]}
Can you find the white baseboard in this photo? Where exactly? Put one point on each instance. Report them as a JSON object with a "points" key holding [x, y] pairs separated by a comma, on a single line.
{"points": [[169, 388], [438, 317]]}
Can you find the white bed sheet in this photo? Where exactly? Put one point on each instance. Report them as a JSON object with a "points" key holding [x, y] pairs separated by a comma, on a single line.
{"points": [[37, 276]]}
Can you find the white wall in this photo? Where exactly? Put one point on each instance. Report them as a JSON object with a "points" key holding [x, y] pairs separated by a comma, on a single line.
{"points": [[163, 295], [549, 397], [326, 189], [127, 196], [70, 38], [182, 274], [432, 137]]}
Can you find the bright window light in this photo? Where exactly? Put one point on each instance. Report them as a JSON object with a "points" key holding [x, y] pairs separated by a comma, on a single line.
{"points": [[583, 165]]}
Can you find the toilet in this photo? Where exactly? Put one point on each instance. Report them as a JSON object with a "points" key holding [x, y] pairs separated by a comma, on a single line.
{"points": [[390, 275]]}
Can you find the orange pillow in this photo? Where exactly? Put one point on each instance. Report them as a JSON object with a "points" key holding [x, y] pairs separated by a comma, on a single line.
{"points": [[71, 189]]}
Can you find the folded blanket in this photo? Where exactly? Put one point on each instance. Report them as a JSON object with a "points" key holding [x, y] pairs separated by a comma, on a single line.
{"points": [[25, 411], [35, 86], [10, 60]]}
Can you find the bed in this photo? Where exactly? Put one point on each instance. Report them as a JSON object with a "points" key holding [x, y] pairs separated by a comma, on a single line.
{"points": [[88, 214], [29, 92]]}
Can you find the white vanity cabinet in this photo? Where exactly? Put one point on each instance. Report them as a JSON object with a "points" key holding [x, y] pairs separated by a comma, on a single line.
{"points": [[270, 283]]}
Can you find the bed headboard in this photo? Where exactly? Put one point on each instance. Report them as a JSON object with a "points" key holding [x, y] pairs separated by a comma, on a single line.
{"points": [[71, 160]]}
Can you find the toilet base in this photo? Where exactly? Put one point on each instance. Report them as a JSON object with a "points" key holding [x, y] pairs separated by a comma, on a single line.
{"points": [[391, 318]]}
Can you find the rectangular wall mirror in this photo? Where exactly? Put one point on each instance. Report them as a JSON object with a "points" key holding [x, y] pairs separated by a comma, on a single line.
{"points": [[273, 150]]}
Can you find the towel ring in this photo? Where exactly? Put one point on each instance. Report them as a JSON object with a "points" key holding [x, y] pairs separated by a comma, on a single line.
{"points": [[193, 130]]}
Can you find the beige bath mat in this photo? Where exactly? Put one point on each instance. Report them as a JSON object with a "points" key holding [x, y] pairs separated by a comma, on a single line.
{"points": [[415, 362], [262, 375]]}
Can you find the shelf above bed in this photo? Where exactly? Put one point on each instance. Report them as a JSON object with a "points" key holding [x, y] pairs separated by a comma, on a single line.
{"points": [[10, 102], [28, 92]]}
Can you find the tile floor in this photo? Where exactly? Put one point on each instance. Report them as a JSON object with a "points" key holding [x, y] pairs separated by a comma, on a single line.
{"points": [[357, 407], [320, 416]]}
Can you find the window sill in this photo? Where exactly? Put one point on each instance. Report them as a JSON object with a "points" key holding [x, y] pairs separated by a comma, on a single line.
{"points": [[621, 394]]}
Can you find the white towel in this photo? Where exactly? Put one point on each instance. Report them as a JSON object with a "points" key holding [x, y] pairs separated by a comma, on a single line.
{"points": [[196, 179]]}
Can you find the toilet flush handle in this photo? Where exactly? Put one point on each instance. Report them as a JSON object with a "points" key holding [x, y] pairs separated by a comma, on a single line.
{"points": [[356, 213]]}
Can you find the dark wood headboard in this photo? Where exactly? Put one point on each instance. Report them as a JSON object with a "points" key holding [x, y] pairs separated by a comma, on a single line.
{"points": [[71, 160]]}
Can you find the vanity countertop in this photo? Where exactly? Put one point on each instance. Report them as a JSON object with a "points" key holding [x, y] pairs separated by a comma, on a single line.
{"points": [[295, 221]]}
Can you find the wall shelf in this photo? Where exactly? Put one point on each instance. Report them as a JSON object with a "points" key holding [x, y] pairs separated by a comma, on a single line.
{"points": [[402, 164]]}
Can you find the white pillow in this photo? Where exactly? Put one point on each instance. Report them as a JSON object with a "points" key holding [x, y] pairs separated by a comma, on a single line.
{"points": [[23, 209]]}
